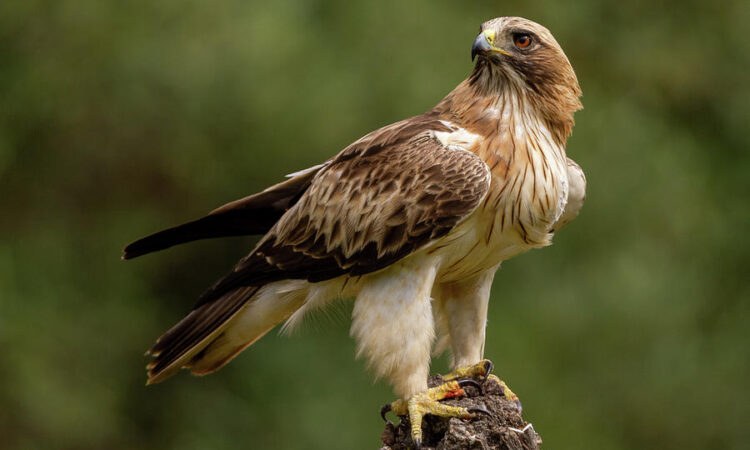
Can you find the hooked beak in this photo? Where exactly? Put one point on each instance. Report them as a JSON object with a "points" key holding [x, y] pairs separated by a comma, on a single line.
{"points": [[483, 45]]}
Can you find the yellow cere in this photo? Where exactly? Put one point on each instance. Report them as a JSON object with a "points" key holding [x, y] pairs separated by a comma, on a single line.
{"points": [[490, 35]]}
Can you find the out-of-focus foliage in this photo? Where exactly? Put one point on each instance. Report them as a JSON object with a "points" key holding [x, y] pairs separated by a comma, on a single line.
{"points": [[118, 118]]}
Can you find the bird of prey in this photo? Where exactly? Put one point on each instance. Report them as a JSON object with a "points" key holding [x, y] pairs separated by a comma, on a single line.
{"points": [[412, 220]]}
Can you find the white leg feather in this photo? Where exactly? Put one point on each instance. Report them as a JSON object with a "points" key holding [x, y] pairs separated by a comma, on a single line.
{"points": [[465, 307], [392, 323]]}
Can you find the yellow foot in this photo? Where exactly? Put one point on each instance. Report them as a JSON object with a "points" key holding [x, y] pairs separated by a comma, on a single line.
{"points": [[481, 372], [428, 402]]}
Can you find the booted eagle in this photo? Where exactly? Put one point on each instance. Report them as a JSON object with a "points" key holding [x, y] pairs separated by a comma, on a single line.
{"points": [[412, 220]]}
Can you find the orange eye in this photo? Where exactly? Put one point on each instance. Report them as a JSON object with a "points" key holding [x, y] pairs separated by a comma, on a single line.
{"points": [[522, 40]]}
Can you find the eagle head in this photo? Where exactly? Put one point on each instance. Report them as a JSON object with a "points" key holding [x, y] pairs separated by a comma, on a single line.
{"points": [[522, 56]]}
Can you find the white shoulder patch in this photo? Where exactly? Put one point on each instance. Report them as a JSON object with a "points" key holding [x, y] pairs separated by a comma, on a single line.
{"points": [[457, 137]]}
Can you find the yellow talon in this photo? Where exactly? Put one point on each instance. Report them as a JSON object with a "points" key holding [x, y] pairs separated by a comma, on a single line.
{"points": [[509, 395], [481, 371], [428, 402]]}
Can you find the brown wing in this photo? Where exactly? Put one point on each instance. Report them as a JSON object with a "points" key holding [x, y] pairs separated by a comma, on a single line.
{"points": [[380, 199], [375, 203]]}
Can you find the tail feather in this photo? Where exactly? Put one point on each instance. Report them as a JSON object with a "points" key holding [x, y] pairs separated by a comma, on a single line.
{"points": [[219, 352], [267, 307], [175, 348]]}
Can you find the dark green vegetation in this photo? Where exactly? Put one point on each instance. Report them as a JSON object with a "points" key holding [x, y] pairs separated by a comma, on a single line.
{"points": [[118, 118]]}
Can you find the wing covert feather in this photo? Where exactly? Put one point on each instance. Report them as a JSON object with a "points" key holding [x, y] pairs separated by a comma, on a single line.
{"points": [[367, 211], [370, 206]]}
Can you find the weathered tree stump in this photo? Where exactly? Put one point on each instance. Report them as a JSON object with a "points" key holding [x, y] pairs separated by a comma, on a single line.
{"points": [[503, 428]]}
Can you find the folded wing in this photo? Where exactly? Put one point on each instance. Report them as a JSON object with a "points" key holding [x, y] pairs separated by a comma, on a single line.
{"points": [[369, 207], [385, 196]]}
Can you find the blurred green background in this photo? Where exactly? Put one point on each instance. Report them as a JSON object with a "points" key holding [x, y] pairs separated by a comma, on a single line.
{"points": [[118, 118]]}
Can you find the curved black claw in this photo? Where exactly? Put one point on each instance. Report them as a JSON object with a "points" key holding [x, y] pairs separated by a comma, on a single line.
{"points": [[384, 410], [488, 367], [478, 409], [469, 382]]}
